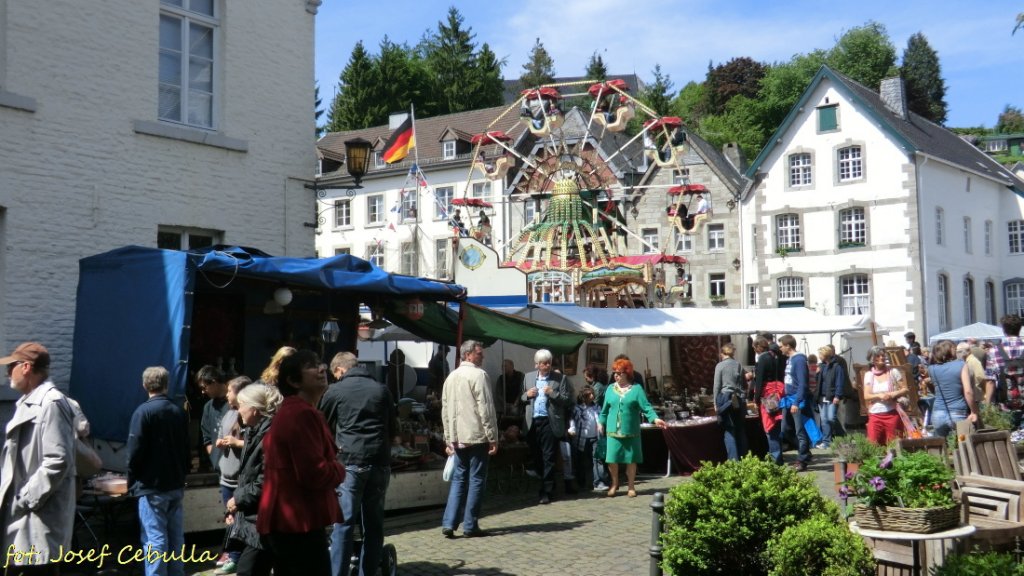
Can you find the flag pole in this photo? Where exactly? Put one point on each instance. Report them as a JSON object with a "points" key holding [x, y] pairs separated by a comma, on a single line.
{"points": [[416, 177]]}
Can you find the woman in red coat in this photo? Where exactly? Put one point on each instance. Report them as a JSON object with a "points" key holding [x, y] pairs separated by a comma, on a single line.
{"points": [[301, 473]]}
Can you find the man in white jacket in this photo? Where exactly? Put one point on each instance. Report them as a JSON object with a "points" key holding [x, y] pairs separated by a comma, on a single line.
{"points": [[471, 435]]}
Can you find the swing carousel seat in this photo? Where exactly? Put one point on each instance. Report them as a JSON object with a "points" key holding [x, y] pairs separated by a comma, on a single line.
{"points": [[493, 170], [481, 233], [662, 161], [623, 114], [543, 125]]}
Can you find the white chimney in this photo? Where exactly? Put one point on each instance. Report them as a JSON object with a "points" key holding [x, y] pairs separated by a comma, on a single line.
{"points": [[894, 96], [396, 119]]}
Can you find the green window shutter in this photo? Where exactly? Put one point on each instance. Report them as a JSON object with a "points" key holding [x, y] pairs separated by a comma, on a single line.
{"points": [[827, 119]]}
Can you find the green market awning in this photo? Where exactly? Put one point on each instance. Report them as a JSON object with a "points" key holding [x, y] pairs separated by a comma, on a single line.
{"points": [[441, 324]]}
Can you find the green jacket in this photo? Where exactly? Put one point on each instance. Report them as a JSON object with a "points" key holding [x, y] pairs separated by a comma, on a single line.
{"points": [[620, 414]]}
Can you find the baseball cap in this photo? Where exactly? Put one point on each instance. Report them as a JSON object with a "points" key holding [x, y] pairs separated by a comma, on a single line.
{"points": [[33, 352]]}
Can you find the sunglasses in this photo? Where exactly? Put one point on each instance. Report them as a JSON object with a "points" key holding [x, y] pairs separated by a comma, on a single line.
{"points": [[12, 366]]}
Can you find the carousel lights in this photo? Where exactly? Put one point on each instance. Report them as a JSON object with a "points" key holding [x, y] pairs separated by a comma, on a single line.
{"points": [[283, 296], [329, 330]]}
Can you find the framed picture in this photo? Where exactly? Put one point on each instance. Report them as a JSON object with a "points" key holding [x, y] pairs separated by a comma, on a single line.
{"points": [[569, 362], [598, 354]]}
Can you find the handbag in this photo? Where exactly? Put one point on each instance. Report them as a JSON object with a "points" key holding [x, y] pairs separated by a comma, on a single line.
{"points": [[771, 403], [235, 536], [449, 469]]}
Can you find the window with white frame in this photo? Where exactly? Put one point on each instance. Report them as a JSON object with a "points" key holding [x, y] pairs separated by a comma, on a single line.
{"points": [[187, 88], [988, 237], [752, 290], [650, 238], [1015, 298], [790, 291], [375, 253], [184, 238], [443, 202], [448, 149], [529, 211], [378, 160], [854, 294], [684, 242], [990, 302], [716, 237], [968, 244], [943, 293], [799, 169], [1015, 228], [482, 190], [442, 247], [681, 176], [787, 232], [853, 227], [851, 164], [410, 259], [716, 285], [940, 226], [408, 204], [342, 213], [970, 313], [996, 146], [375, 209]]}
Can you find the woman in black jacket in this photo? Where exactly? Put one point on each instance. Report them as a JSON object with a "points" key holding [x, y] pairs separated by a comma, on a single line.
{"points": [[257, 404], [832, 383]]}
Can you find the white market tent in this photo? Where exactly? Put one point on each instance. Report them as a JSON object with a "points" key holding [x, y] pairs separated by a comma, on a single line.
{"points": [[606, 322], [979, 330]]}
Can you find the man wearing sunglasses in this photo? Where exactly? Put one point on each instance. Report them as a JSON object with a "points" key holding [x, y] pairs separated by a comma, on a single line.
{"points": [[37, 467]]}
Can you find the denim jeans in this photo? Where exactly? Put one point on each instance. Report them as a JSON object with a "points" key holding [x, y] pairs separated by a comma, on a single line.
{"points": [[163, 530], [734, 425], [945, 422], [361, 496], [465, 497], [775, 442], [829, 414], [802, 439]]}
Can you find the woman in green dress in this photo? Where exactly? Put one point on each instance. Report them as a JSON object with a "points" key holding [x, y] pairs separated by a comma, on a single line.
{"points": [[624, 402]]}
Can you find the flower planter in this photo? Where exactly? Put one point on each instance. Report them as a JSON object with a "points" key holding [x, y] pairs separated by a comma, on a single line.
{"points": [[916, 520], [837, 471]]}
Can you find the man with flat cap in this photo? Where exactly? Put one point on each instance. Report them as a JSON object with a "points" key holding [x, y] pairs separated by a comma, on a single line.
{"points": [[37, 467]]}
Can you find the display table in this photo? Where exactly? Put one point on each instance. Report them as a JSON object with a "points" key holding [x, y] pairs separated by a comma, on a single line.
{"points": [[685, 447], [953, 534]]}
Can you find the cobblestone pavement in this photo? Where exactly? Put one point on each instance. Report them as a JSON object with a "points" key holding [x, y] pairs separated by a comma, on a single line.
{"points": [[588, 534]]}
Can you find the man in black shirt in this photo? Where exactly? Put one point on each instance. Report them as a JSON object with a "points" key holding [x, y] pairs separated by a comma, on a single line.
{"points": [[362, 414]]}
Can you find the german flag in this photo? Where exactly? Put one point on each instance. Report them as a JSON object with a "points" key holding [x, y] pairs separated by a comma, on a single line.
{"points": [[401, 141]]}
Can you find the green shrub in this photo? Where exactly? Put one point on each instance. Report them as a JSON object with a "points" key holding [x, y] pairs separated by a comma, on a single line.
{"points": [[819, 546], [721, 521], [993, 416], [979, 564]]}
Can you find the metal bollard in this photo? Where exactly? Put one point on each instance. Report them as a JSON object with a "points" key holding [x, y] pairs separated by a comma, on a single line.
{"points": [[658, 506]]}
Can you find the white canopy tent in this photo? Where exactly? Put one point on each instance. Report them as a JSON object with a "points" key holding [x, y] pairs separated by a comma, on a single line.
{"points": [[606, 322], [979, 330]]}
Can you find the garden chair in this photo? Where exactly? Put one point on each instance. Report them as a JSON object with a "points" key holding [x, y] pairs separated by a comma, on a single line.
{"points": [[995, 506], [990, 454]]}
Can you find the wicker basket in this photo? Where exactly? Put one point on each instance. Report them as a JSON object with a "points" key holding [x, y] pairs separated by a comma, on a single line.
{"points": [[916, 520]]}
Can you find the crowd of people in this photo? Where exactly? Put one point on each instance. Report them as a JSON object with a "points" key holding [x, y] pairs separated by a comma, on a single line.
{"points": [[298, 459]]}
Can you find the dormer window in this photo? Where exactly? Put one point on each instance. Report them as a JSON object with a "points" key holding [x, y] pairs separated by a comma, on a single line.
{"points": [[448, 149], [378, 160]]}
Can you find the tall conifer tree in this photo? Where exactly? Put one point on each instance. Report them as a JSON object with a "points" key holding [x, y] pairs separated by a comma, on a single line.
{"points": [[352, 105], [539, 69], [926, 90]]}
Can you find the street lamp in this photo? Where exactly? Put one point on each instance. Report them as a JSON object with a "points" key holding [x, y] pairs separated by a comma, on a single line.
{"points": [[357, 157]]}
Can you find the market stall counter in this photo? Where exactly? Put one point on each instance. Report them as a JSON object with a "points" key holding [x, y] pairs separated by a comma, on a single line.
{"points": [[683, 445]]}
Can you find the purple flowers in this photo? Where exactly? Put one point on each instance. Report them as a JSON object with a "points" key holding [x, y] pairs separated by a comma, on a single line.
{"points": [[877, 483], [887, 461]]}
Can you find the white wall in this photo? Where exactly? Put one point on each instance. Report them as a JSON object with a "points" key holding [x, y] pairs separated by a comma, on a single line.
{"points": [[78, 179]]}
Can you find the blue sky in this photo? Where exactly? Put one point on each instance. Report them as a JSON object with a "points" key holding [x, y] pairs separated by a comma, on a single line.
{"points": [[982, 63]]}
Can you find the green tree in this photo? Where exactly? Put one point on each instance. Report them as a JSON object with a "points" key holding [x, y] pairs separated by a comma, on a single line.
{"points": [[690, 104], [539, 69], [657, 95], [488, 88], [596, 70], [352, 105], [865, 54], [926, 90], [396, 84], [1011, 121], [739, 76], [450, 57]]}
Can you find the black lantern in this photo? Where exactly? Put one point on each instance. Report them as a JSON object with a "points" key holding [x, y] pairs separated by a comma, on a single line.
{"points": [[357, 157]]}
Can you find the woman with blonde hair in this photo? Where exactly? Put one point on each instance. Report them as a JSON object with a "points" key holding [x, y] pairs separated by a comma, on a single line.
{"points": [[257, 404], [831, 383], [269, 376], [624, 402]]}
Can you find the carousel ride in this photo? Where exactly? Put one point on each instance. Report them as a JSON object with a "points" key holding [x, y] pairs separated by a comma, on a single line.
{"points": [[576, 170]]}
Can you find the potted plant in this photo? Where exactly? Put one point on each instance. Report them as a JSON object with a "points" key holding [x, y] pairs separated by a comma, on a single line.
{"points": [[911, 492], [849, 452]]}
